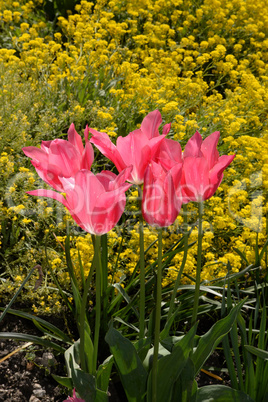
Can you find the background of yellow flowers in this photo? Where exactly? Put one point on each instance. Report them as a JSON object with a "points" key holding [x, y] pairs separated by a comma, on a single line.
{"points": [[202, 63]]}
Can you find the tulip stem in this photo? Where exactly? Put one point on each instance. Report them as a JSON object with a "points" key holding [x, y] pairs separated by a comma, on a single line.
{"points": [[98, 301], [82, 319], [142, 271], [157, 316], [185, 252], [198, 266]]}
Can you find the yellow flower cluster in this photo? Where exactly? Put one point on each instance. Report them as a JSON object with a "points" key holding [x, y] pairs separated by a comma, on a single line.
{"points": [[203, 64]]}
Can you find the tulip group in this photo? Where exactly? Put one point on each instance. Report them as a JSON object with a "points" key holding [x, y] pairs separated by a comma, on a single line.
{"points": [[169, 176]]}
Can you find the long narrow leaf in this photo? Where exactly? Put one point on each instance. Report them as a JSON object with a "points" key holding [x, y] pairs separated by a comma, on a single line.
{"points": [[45, 324], [31, 338], [208, 342]]}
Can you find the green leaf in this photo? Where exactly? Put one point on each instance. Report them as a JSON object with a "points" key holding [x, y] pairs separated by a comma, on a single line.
{"points": [[170, 367], [263, 354], [209, 341], [132, 373], [184, 388], [104, 373], [31, 338], [221, 393], [72, 352], [53, 330], [84, 383], [65, 381]]}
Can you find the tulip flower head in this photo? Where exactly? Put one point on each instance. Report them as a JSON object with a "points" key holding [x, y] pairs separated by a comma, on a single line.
{"points": [[96, 203], [60, 158], [160, 204], [138, 148], [73, 398], [202, 167]]}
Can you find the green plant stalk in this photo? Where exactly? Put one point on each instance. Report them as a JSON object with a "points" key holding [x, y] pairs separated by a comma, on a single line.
{"points": [[142, 271], [98, 300], [185, 252], [82, 321], [157, 316], [199, 260]]}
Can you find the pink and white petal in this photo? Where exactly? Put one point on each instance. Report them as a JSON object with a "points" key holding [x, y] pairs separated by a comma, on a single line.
{"points": [[209, 149], [75, 139], [193, 146], [150, 124]]}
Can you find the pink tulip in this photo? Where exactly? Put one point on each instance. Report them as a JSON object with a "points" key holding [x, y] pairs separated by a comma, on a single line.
{"points": [[60, 158], [160, 204], [96, 203], [138, 148], [73, 398], [202, 167]]}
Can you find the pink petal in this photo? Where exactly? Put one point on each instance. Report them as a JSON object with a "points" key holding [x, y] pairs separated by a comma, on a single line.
{"points": [[193, 146], [64, 158], [150, 124], [209, 149], [168, 152], [159, 205], [195, 178], [50, 194], [216, 173], [107, 148], [86, 132], [49, 177], [135, 151], [75, 139], [84, 195], [87, 157], [45, 145], [166, 128], [108, 211], [38, 155], [106, 178], [121, 179]]}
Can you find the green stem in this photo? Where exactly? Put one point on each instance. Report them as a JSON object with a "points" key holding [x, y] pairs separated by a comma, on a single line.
{"points": [[142, 271], [83, 319], [199, 259], [98, 300], [185, 252], [157, 316]]}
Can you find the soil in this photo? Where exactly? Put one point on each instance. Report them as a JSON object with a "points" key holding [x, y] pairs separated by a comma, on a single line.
{"points": [[25, 376]]}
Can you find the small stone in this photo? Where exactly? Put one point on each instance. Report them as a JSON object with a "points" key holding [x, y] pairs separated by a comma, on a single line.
{"points": [[34, 399], [39, 393]]}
